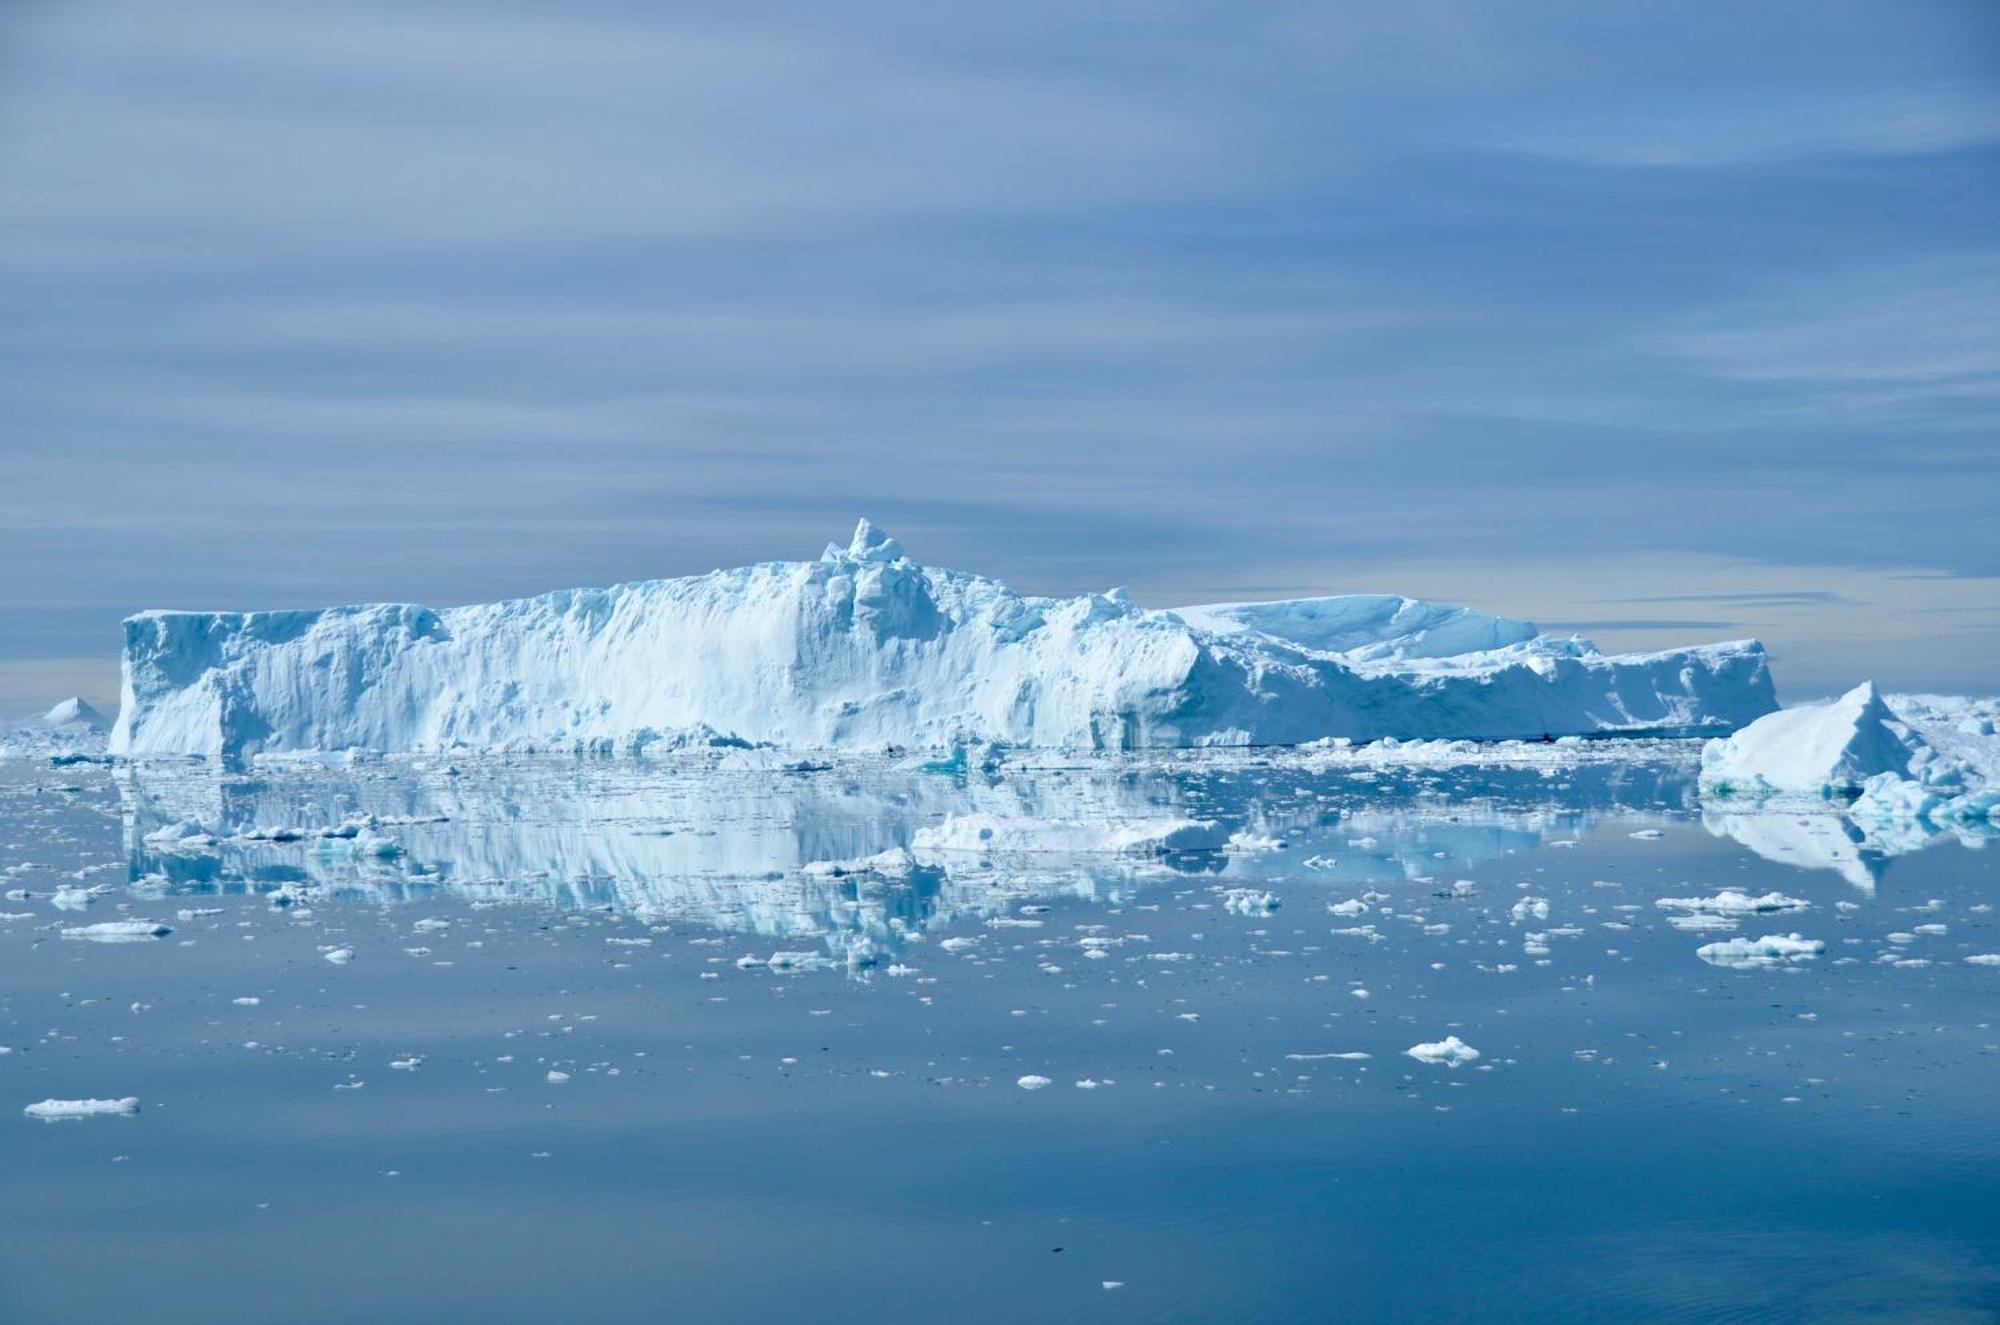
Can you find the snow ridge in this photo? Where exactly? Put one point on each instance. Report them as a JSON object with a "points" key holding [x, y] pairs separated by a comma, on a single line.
{"points": [[866, 648]]}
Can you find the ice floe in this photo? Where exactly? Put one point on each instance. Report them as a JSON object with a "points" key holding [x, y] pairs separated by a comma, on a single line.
{"points": [[1451, 1051], [119, 931], [1770, 950], [61, 1110]]}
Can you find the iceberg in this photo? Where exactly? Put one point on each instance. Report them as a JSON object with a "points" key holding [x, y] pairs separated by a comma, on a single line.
{"points": [[71, 728], [1886, 760], [75, 713], [867, 648]]}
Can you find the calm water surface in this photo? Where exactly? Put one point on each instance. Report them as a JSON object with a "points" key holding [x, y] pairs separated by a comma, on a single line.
{"points": [[560, 1077]]}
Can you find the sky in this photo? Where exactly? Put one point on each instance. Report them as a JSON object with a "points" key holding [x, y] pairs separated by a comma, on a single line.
{"points": [[1658, 323]]}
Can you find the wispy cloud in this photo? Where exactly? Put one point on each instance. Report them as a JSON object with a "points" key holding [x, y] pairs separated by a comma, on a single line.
{"points": [[446, 300], [1765, 127]]}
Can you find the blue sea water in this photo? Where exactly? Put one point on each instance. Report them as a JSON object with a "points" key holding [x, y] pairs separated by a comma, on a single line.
{"points": [[560, 1077]]}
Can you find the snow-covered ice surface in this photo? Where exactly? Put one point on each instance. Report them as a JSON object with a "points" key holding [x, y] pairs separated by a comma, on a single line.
{"points": [[733, 1029], [866, 648]]}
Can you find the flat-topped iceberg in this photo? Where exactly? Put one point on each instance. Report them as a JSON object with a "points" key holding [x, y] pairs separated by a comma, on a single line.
{"points": [[867, 648], [1885, 759]]}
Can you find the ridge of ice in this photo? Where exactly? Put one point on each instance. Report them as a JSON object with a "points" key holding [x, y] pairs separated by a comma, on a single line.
{"points": [[867, 648]]}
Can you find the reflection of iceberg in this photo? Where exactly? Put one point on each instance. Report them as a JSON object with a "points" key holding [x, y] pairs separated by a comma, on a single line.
{"points": [[727, 840], [1810, 841], [1859, 851]]}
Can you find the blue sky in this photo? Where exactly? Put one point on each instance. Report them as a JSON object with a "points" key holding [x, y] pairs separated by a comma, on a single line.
{"points": [[1659, 322]]}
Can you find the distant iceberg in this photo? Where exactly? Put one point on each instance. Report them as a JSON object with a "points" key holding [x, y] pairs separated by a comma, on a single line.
{"points": [[75, 714], [867, 648], [1884, 759], [72, 727]]}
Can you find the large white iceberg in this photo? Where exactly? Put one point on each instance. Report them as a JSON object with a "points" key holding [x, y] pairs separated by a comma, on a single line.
{"points": [[865, 647], [1886, 759]]}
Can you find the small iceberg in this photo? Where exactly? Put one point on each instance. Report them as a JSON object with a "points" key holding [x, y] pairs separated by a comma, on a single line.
{"points": [[118, 931], [1752, 954], [1451, 1051], [62, 1110]]}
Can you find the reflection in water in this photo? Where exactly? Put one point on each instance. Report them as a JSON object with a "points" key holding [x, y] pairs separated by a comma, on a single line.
{"points": [[1233, 1126], [741, 841], [1828, 840], [731, 842]]}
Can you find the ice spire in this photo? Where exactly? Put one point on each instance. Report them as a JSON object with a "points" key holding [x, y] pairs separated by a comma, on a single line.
{"points": [[868, 544]]}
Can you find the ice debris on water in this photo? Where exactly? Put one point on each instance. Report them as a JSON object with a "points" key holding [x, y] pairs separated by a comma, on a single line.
{"points": [[1770, 950], [119, 931], [59, 1110], [1451, 1051]]}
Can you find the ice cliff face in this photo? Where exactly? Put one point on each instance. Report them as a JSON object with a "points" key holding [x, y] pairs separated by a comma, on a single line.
{"points": [[865, 647]]}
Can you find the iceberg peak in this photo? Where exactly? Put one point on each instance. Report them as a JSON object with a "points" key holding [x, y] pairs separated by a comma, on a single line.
{"points": [[869, 543], [1824, 749], [76, 711]]}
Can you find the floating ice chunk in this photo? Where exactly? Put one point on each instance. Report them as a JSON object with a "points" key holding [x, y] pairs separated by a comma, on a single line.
{"points": [[1247, 843], [987, 833], [797, 961], [1249, 901], [1770, 950], [1734, 902], [556, 1078], [184, 836], [119, 931], [339, 956], [895, 863], [1529, 908], [59, 1110], [1698, 922], [1983, 959], [1451, 1051], [1033, 1082]]}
